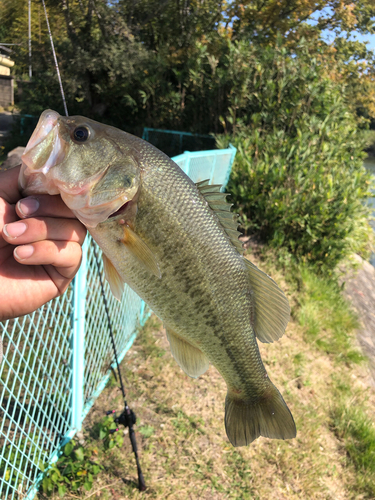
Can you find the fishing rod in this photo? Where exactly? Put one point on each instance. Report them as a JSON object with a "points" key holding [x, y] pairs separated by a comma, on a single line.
{"points": [[127, 417]]}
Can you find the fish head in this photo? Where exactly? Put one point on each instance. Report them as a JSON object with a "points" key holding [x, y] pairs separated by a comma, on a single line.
{"points": [[89, 164]]}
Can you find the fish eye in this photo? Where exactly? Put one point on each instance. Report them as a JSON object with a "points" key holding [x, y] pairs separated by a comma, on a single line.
{"points": [[81, 134]]}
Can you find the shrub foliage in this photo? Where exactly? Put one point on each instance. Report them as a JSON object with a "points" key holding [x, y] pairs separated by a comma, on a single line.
{"points": [[298, 178]]}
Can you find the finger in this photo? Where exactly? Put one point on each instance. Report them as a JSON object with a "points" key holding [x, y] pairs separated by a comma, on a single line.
{"points": [[48, 228], [65, 256], [43, 205], [61, 282], [7, 215], [9, 185]]}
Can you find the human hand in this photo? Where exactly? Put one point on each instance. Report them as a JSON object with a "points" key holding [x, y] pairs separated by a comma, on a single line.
{"points": [[37, 265]]}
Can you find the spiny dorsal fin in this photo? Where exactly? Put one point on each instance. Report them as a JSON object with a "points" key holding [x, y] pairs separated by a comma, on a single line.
{"points": [[210, 188], [200, 184], [217, 202], [272, 311]]}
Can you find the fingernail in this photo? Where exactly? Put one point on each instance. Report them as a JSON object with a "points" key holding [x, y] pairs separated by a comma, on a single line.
{"points": [[24, 252], [28, 206], [15, 229]]}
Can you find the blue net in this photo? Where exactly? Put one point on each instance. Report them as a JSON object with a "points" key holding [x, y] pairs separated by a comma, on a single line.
{"points": [[58, 359]]}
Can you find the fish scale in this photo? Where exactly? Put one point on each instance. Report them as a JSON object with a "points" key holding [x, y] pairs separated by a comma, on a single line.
{"points": [[198, 225], [167, 242]]}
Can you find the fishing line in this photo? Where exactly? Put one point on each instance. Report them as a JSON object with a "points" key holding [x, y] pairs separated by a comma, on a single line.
{"points": [[127, 417], [55, 58]]}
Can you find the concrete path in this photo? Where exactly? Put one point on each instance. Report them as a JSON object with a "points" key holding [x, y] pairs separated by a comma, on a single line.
{"points": [[360, 290]]}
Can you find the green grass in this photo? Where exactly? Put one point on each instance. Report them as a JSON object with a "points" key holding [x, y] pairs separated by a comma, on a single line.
{"points": [[352, 425], [357, 430], [330, 325], [328, 321]]}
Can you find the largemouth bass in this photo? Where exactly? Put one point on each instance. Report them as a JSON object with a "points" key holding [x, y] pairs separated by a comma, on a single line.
{"points": [[175, 243]]}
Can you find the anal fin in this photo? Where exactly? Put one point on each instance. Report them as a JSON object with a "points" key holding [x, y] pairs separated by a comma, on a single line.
{"points": [[189, 358]]}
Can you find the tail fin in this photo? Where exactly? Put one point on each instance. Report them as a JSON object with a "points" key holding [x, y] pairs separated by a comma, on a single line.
{"points": [[269, 417]]}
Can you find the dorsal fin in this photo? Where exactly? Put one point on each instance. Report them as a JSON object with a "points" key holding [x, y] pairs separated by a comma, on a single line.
{"points": [[271, 313], [210, 188], [217, 202], [200, 184]]}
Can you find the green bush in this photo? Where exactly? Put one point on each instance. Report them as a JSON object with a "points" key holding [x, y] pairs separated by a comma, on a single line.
{"points": [[74, 471], [78, 466], [298, 179]]}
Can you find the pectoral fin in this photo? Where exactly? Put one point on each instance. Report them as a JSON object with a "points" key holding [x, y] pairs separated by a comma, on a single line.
{"points": [[190, 358], [116, 283], [139, 249]]}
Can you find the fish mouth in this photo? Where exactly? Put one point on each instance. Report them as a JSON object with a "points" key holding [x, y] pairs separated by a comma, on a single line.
{"points": [[47, 121], [44, 150]]}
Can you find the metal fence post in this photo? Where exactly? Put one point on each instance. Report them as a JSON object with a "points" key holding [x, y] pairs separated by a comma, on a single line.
{"points": [[145, 134], [78, 341]]}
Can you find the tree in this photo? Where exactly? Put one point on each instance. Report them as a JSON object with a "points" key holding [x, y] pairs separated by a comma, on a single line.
{"points": [[163, 63]]}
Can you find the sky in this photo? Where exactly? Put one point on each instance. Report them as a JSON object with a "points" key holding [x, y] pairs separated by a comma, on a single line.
{"points": [[355, 36], [328, 35]]}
